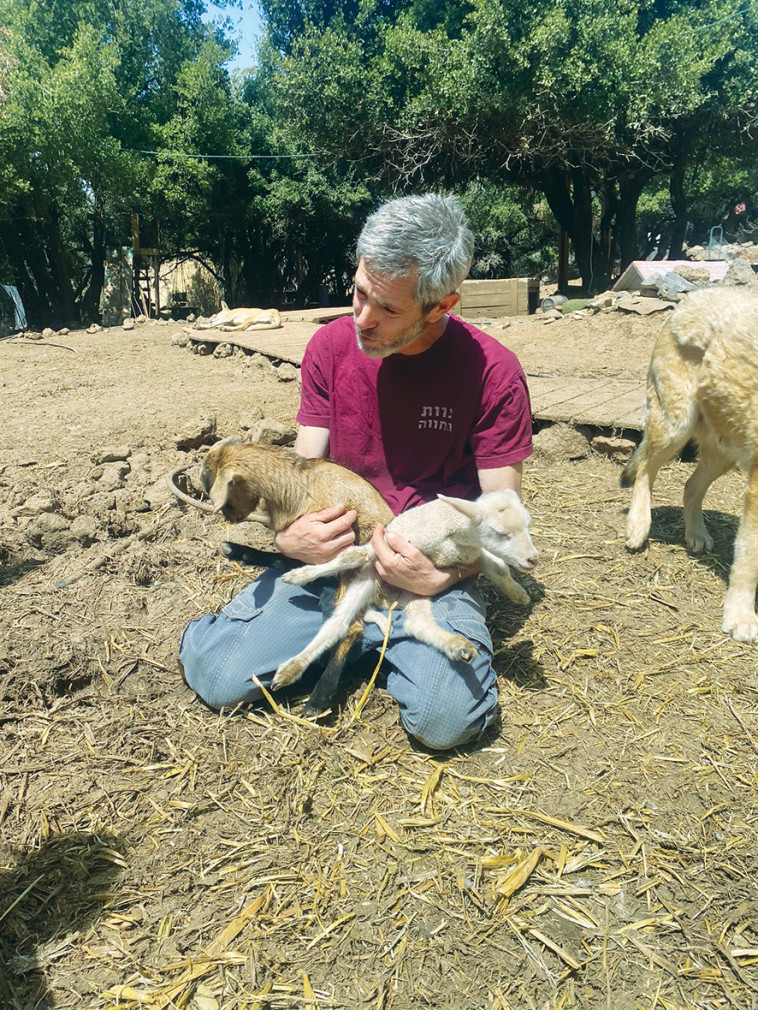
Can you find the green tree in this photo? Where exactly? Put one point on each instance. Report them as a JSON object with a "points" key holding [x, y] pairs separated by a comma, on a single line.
{"points": [[583, 101], [87, 85]]}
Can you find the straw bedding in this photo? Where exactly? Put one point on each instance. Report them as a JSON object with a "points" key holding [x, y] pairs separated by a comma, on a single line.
{"points": [[596, 849]]}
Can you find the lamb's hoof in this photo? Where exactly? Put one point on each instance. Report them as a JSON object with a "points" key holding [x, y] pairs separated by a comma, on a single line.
{"points": [[296, 576], [461, 650], [636, 540], [287, 673], [316, 707], [519, 596], [699, 542], [743, 627]]}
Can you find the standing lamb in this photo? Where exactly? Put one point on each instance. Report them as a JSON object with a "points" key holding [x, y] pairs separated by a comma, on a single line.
{"points": [[703, 384], [493, 530]]}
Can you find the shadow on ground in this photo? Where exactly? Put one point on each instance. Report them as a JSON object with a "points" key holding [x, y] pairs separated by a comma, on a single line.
{"points": [[46, 895]]}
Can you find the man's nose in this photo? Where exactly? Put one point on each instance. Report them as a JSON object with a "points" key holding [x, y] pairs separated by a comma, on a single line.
{"points": [[365, 318]]}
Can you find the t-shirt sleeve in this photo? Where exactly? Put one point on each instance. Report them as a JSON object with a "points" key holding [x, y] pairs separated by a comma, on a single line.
{"points": [[315, 409], [502, 433]]}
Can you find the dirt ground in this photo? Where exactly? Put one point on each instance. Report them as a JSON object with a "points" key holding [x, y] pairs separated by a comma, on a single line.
{"points": [[597, 849]]}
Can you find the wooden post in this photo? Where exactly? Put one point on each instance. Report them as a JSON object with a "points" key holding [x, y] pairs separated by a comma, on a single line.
{"points": [[155, 260]]}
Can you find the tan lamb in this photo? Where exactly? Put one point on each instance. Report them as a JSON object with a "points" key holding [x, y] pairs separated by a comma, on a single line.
{"points": [[703, 384]]}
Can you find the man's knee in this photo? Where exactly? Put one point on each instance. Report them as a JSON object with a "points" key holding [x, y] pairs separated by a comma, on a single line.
{"points": [[439, 727], [201, 653]]}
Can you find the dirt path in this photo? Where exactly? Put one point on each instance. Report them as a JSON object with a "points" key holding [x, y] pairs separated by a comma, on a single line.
{"points": [[596, 850]]}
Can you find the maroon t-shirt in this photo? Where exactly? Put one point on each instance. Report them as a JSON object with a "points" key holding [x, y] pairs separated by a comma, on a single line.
{"points": [[418, 424]]}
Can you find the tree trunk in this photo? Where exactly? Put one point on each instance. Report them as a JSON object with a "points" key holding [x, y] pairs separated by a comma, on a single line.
{"points": [[680, 208], [91, 300], [30, 244], [63, 307], [21, 276], [569, 196], [631, 185]]}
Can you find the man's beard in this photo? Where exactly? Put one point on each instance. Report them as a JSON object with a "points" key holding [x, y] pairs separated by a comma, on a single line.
{"points": [[398, 343]]}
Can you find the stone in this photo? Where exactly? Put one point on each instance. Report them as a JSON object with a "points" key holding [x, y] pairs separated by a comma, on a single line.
{"points": [[112, 454], [84, 530], [180, 339], [113, 475], [273, 432], [156, 495], [201, 432], [255, 415], [223, 351], [287, 372], [128, 323], [50, 531], [617, 448], [561, 441], [36, 505], [694, 274], [258, 360], [741, 273]]}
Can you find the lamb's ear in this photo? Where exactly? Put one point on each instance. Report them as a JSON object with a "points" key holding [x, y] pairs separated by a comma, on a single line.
{"points": [[229, 440], [469, 508], [219, 493]]}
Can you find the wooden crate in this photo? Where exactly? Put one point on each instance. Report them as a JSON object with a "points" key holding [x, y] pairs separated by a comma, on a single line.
{"points": [[512, 296]]}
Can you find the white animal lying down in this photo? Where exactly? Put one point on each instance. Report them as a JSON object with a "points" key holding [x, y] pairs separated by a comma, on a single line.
{"points": [[242, 319], [493, 530]]}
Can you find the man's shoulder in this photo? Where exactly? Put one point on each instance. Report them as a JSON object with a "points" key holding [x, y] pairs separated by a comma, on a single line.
{"points": [[334, 337], [466, 335], [336, 328]]}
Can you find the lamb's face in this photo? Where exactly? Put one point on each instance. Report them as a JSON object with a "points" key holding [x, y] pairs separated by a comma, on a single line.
{"points": [[504, 532]]}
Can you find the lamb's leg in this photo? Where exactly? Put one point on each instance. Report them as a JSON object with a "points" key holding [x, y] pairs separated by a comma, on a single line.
{"points": [[322, 695], [664, 437], [357, 595], [347, 560], [739, 607], [420, 624], [711, 465], [377, 617], [499, 574]]}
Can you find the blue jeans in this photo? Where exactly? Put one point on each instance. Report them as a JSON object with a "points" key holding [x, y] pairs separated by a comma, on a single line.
{"points": [[442, 703]]}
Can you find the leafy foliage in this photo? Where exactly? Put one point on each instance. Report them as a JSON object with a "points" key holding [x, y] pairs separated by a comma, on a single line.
{"points": [[542, 115]]}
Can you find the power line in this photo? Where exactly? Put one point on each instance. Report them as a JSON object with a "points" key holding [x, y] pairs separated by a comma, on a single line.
{"points": [[220, 157], [728, 17]]}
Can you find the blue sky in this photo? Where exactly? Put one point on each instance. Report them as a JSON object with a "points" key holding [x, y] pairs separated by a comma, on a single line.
{"points": [[246, 29]]}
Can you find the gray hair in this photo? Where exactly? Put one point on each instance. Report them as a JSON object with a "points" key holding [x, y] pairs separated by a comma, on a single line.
{"points": [[424, 233]]}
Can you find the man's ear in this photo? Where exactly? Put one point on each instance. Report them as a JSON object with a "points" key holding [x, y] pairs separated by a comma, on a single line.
{"points": [[446, 305]]}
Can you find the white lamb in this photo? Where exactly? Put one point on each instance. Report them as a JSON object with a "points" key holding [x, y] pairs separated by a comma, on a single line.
{"points": [[493, 530]]}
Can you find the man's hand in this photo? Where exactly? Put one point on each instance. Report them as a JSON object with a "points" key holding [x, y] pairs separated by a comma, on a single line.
{"points": [[318, 536], [403, 565]]}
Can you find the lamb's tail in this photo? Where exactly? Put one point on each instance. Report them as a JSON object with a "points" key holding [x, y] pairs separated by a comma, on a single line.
{"points": [[629, 473]]}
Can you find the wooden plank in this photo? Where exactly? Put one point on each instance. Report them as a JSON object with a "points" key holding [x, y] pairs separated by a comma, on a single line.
{"points": [[318, 316], [288, 343], [507, 296], [601, 402], [571, 389], [494, 286]]}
